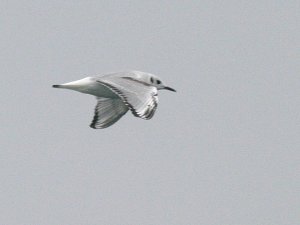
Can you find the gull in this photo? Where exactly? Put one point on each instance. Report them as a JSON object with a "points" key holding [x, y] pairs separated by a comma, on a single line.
{"points": [[117, 93]]}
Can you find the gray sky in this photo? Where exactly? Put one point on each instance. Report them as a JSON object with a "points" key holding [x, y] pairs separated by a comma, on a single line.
{"points": [[224, 149]]}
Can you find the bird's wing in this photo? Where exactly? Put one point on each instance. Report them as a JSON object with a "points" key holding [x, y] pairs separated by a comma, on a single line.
{"points": [[140, 97], [107, 112]]}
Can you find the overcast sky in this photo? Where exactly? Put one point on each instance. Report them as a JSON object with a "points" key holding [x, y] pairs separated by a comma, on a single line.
{"points": [[224, 149]]}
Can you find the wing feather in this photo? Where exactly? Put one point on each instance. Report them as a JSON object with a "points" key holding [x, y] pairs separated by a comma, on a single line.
{"points": [[140, 97], [107, 112]]}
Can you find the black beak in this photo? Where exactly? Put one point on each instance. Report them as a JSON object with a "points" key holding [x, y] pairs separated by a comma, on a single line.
{"points": [[170, 89]]}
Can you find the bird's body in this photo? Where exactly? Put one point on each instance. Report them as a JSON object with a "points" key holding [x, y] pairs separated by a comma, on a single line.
{"points": [[89, 85], [119, 92]]}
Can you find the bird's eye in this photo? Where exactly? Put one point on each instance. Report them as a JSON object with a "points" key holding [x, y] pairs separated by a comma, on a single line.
{"points": [[158, 82], [151, 79]]}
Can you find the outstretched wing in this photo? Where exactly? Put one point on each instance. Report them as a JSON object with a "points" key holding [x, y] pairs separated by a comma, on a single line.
{"points": [[107, 112], [140, 97]]}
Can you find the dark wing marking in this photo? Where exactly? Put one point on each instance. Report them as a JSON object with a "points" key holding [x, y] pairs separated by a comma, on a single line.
{"points": [[135, 80], [107, 112]]}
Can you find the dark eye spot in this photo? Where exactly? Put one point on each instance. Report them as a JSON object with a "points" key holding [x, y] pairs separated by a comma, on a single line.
{"points": [[151, 79], [158, 82]]}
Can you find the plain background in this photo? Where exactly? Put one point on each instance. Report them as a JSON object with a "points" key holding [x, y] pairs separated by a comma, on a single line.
{"points": [[224, 149]]}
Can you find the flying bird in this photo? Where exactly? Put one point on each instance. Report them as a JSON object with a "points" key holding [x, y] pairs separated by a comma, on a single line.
{"points": [[117, 93]]}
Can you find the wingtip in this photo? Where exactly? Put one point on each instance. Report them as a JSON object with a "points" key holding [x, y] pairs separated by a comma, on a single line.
{"points": [[56, 86], [92, 126]]}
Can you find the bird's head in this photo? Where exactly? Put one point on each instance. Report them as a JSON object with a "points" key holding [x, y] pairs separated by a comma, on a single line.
{"points": [[152, 80], [157, 82]]}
